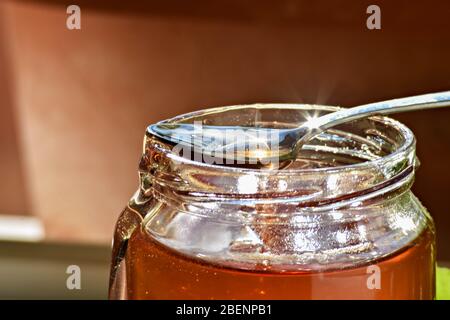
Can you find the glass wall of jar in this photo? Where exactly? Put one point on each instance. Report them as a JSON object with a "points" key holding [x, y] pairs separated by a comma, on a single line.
{"points": [[340, 222]]}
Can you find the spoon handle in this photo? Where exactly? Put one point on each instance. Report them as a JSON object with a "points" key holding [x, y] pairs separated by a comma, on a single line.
{"points": [[425, 101]]}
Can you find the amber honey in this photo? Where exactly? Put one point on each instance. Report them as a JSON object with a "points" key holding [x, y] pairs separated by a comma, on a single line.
{"points": [[157, 272]]}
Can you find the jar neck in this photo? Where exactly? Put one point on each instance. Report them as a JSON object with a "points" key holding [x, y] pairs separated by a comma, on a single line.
{"points": [[182, 181]]}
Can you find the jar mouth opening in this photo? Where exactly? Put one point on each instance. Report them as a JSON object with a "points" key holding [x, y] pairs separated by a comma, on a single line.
{"points": [[354, 161], [403, 146]]}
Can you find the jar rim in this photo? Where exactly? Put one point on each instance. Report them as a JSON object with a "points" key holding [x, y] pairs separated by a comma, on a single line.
{"points": [[406, 133]]}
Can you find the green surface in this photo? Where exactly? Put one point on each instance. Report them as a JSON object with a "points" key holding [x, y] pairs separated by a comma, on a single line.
{"points": [[442, 283]]}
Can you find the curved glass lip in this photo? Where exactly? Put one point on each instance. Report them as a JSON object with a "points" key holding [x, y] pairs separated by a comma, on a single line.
{"points": [[408, 144]]}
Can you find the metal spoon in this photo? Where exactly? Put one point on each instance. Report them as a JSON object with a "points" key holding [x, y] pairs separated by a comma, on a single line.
{"points": [[282, 144]]}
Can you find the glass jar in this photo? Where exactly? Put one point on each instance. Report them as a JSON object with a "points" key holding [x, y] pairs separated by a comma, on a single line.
{"points": [[340, 222]]}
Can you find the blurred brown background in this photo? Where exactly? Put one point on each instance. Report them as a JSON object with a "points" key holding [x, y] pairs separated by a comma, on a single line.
{"points": [[74, 105]]}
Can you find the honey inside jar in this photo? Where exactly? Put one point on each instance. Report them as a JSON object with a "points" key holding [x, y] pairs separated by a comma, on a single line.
{"points": [[339, 222]]}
